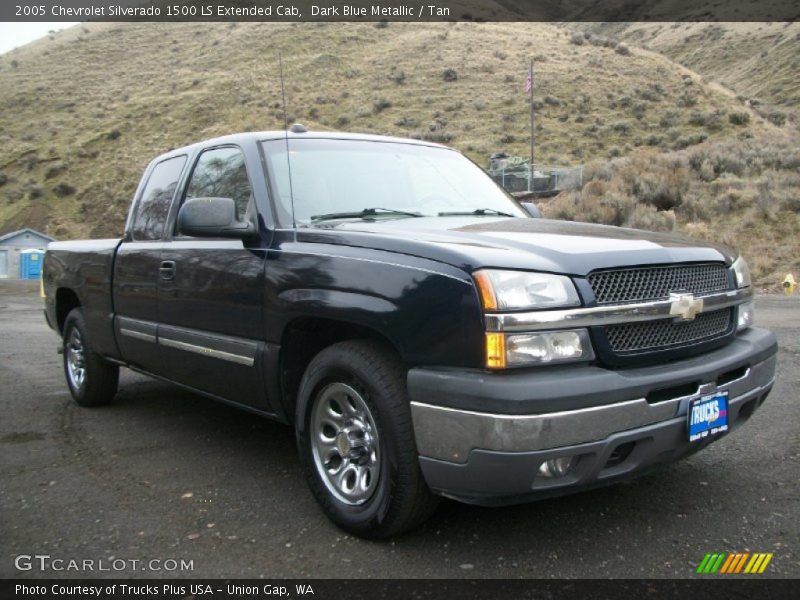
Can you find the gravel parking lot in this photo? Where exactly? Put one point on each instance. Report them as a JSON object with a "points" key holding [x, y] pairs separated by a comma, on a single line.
{"points": [[165, 474]]}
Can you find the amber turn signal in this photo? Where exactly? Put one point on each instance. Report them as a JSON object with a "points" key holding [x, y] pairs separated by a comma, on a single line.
{"points": [[495, 350], [486, 291]]}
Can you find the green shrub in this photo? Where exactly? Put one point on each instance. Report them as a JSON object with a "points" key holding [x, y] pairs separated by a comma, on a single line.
{"points": [[381, 104], [710, 120], [63, 190], [577, 39], [406, 122], [650, 94], [399, 77], [668, 119], [687, 100], [739, 118], [777, 117], [653, 139], [650, 219], [438, 136], [623, 127], [639, 110], [690, 140]]}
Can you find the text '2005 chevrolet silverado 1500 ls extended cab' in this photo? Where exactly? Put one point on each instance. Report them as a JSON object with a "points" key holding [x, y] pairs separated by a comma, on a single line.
{"points": [[422, 332]]}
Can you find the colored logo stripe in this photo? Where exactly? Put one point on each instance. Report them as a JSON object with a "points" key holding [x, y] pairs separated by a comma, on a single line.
{"points": [[734, 563], [727, 564], [702, 566], [758, 563], [711, 563], [740, 564]]}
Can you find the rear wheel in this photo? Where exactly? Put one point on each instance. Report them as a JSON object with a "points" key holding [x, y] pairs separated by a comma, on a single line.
{"points": [[91, 379], [356, 441]]}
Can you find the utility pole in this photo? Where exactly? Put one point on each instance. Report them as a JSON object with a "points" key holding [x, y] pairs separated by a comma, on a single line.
{"points": [[529, 88]]}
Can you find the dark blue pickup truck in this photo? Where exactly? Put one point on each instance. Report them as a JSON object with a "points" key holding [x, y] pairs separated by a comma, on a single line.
{"points": [[424, 333]]}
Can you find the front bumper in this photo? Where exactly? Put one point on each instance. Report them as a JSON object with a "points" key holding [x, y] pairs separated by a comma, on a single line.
{"points": [[615, 423]]}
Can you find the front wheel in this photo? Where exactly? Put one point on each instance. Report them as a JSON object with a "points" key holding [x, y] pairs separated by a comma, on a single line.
{"points": [[91, 379], [356, 441]]}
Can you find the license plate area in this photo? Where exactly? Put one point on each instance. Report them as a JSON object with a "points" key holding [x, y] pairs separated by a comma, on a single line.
{"points": [[707, 416]]}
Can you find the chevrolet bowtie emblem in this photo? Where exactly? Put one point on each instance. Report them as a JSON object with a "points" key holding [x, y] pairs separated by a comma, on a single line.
{"points": [[685, 306]]}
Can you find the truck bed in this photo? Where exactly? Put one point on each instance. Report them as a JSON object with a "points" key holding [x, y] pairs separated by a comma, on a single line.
{"points": [[85, 268]]}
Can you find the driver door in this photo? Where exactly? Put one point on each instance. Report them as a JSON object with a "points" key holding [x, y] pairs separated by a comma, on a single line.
{"points": [[211, 292]]}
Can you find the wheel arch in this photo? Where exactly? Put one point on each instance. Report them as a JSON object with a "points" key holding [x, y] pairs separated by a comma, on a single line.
{"points": [[304, 338], [66, 301]]}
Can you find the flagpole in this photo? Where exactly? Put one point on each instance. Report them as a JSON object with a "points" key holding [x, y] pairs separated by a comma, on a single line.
{"points": [[530, 176]]}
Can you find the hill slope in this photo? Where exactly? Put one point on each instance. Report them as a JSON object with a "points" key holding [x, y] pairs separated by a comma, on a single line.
{"points": [[82, 113], [759, 61]]}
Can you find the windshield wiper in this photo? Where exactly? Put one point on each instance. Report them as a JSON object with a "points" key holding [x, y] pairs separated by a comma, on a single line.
{"points": [[478, 212], [367, 212]]}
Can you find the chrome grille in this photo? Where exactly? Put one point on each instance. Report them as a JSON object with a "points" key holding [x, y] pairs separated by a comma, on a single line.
{"points": [[656, 283], [666, 333]]}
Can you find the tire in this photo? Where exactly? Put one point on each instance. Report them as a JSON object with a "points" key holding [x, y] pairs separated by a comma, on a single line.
{"points": [[375, 489], [92, 381]]}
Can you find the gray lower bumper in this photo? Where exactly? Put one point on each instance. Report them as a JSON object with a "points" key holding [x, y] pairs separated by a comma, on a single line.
{"points": [[491, 457]]}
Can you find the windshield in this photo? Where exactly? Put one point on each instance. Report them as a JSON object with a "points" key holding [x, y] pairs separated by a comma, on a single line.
{"points": [[341, 176]]}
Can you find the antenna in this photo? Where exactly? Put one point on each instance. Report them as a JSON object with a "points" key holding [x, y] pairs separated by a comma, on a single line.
{"points": [[286, 138]]}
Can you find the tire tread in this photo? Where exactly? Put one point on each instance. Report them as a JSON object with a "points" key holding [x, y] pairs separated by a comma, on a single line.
{"points": [[102, 377], [413, 501]]}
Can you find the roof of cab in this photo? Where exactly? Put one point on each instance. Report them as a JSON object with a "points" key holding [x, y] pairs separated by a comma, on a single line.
{"points": [[263, 136]]}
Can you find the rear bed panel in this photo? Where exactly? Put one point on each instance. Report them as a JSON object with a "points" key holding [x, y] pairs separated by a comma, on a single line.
{"points": [[86, 268]]}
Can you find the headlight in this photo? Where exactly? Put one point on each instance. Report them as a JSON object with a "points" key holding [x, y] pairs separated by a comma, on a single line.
{"points": [[742, 273], [516, 290], [746, 316], [545, 347]]}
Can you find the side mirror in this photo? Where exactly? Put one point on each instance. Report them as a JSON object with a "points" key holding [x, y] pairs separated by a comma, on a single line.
{"points": [[532, 209], [212, 217]]}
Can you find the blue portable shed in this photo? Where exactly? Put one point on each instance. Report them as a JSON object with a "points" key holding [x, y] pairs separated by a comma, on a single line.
{"points": [[30, 263]]}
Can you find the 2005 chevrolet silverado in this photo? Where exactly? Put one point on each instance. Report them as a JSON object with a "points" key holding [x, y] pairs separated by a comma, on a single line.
{"points": [[425, 335]]}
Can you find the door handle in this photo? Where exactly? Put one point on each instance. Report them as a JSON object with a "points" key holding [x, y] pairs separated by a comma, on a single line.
{"points": [[167, 270]]}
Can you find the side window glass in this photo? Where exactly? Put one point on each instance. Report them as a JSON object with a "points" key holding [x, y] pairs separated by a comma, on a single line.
{"points": [[153, 207], [221, 173]]}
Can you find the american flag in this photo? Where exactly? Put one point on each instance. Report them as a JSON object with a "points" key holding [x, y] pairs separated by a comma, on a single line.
{"points": [[529, 81]]}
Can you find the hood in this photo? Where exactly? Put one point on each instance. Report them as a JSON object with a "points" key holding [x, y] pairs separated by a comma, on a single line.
{"points": [[533, 244]]}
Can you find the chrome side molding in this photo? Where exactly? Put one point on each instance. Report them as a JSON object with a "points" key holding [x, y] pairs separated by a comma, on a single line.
{"points": [[205, 351], [222, 347], [139, 335]]}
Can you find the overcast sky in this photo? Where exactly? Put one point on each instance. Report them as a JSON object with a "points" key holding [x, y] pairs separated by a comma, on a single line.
{"points": [[19, 34]]}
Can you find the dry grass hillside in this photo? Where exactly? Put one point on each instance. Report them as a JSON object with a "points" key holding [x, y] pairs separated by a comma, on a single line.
{"points": [[83, 111], [759, 61], [745, 193]]}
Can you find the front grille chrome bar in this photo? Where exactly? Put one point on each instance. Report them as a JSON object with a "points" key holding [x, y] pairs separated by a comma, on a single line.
{"points": [[600, 316]]}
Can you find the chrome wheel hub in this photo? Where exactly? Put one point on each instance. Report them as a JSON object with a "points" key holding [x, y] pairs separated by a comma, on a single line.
{"points": [[345, 444], [76, 360]]}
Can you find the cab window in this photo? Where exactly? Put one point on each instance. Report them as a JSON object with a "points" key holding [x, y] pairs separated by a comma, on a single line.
{"points": [[221, 173], [153, 206]]}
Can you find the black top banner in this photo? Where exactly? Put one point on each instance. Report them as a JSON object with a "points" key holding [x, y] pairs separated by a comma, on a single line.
{"points": [[404, 10]]}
